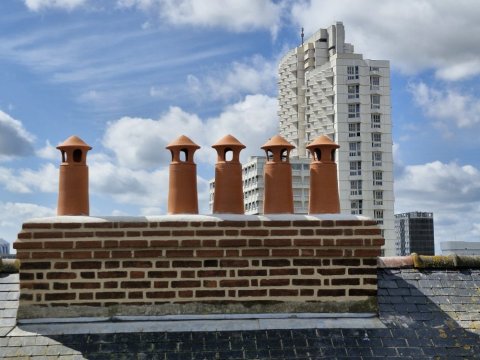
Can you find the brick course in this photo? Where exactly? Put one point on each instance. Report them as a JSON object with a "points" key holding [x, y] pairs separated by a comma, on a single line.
{"points": [[233, 261]]}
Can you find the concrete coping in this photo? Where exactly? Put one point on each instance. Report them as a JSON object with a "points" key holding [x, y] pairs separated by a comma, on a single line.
{"points": [[190, 217], [429, 262]]}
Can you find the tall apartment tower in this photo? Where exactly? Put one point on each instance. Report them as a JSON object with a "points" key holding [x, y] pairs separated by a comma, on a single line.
{"points": [[327, 89], [415, 233]]}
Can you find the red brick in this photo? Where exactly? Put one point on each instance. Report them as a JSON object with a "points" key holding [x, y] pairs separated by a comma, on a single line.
{"points": [[327, 223], [378, 242], [283, 292], [370, 281], [58, 245], [209, 243], [341, 223], [231, 223], [67, 225], [307, 252], [60, 286], [85, 285], [375, 231], [87, 275], [147, 253], [212, 273], [347, 232], [330, 232], [160, 294], [122, 254], [346, 262], [349, 242], [369, 262], [274, 232], [110, 234], [329, 253], [89, 244], [186, 264], [178, 253], [99, 225], [252, 293], [35, 265], [362, 271], [101, 254], [254, 242], [185, 284], [173, 224], [307, 262], [164, 243], [306, 223], [48, 235], [187, 274], [110, 244], [307, 232], [232, 232], [134, 233], [209, 253], [26, 276], [307, 292], [26, 297], [112, 274], [209, 283], [307, 282], [362, 292], [86, 265], [182, 233], [190, 243], [209, 293], [78, 234], [160, 284], [331, 292], [307, 242], [46, 255], [86, 296], [232, 253], [277, 242], [234, 283], [277, 223], [232, 242], [368, 252], [307, 271], [369, 222], [275, 282], [339, 271], [349, 281], [162, 274], [110, 295], [281, 272], [208, 224], [110, 285], [255, 252], [135, 284], [36, 226], [133, 243], [328, 242], [77, 255], [252, 272], [254, 223], [285, 252], [347, 253], [23, 255], [135, 295], [132, 224], [112, 264], [276, 263], [233, 263], [185, 293], [254, 232], [209, 232], [24, 235], [137, 264], [137, 275], [156, 233], [60, 296]]}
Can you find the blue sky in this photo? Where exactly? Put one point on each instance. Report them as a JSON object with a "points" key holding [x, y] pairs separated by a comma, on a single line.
{"points": [[128, 76]]}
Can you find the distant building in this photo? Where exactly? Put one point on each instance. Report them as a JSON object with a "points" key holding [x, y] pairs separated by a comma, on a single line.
{"points": [[326, 88], [4, 248], [460, 247], [414, 233], [253, 185]]}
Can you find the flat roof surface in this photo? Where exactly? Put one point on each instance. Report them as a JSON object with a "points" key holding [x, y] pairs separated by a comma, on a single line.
{"points": [[423, 314]]}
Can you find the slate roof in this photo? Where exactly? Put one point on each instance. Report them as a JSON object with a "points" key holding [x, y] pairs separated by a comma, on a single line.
{"points": [[425, 314]]}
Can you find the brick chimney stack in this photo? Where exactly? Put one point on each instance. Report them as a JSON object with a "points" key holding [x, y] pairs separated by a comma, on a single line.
{"points": [[324, 198], [182, 188], [228, 197], [278, 195], [73, 196]]}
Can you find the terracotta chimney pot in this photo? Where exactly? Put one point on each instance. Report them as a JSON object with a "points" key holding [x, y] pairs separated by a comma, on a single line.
{"points": [[228, 196], [182, 188], [324, 198], [73, 182], [278, 193]]}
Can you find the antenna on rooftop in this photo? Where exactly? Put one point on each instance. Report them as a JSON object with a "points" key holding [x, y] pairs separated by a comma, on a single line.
{"points": [[302, 35]]}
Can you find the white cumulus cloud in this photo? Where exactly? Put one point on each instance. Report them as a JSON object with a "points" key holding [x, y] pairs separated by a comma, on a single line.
{"points": [[15, 140], [36, 5]]}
